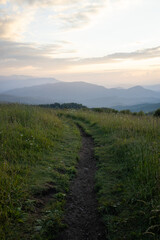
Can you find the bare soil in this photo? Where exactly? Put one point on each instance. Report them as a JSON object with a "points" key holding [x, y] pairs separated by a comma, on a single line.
{"points": [[82, 217]]}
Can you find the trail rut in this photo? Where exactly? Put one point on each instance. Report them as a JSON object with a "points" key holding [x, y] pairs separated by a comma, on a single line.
{"points": [[82, 217]]}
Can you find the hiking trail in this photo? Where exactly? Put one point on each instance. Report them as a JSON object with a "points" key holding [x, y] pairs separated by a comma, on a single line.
{"points": [[82, 217]]}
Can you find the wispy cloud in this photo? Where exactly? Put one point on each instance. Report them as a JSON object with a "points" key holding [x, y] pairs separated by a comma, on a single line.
{"points": [[19, 55], [51, 2], [13, 22], [45, 2], [66, 14], [23, 54], [33, 59], [77, 15], [136, 55]]}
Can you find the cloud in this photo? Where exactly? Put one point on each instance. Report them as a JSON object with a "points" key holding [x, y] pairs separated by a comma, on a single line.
{"points": [[3, 1], [17, 54], [10, 27], [41, 3], [24, 53], [136, 55], [14, 24], [20, 55], [44, 2], [46, 60], [77, 16], [65, 14]]}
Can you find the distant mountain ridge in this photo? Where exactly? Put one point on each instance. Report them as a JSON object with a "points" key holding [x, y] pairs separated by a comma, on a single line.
{"points": [[13, 82], [153, 87], [4, 98], [90, 95]]}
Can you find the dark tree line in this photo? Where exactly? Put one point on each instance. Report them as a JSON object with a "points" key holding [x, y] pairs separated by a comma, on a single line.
{"points": [[100, 110], [63, 106]]}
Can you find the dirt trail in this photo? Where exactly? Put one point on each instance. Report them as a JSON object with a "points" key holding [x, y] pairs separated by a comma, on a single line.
{"points": [[82, 216]]}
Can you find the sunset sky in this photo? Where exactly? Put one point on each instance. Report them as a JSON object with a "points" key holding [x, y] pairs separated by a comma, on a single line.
{"points": [[106, 42]]}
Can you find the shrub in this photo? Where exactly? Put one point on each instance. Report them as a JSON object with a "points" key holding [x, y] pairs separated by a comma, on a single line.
{"points": [[157, 113]]}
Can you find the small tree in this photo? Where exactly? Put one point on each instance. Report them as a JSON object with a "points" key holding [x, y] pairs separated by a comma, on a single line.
{"points": [[157, 113]]}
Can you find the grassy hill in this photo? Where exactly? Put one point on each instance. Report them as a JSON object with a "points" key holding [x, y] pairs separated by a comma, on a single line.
{"points": [[39, 152]]}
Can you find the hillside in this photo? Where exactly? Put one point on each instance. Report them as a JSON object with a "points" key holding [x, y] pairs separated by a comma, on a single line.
{"points": [[147, 107], [56, 164]]}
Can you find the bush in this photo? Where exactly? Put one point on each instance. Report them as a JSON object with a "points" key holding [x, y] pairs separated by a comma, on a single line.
{"points": [[157, 113]]}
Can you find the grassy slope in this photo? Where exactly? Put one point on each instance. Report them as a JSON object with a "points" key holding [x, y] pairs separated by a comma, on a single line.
{"points": [[128, 153], [38, 156]]}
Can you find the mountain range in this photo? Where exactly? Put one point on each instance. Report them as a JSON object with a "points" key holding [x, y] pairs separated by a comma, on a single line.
{"points": [[90, 95], [12, 82]]}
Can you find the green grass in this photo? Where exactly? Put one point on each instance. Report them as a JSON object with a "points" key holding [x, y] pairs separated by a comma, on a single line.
{"points": [[39, 152], [127, 180]]}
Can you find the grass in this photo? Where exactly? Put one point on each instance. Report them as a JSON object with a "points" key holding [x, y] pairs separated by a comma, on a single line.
{"points": [[39, 152], [127, 180]]}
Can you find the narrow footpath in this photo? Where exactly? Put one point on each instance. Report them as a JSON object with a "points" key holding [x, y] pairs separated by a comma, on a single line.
{"points": [[82, 217]]}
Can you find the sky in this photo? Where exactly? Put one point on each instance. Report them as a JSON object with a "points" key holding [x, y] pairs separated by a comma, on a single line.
{"points": [[114, 43]]}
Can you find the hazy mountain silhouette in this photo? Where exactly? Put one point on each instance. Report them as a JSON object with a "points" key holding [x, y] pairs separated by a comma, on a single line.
{"points": [[4, 98], [87, 94], [153, 87], [13, 82]]}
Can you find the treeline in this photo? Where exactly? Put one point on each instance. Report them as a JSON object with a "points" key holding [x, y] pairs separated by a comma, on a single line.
{"points": [[63, 106], [111, 110], [100, 110], [127, 111], [105, 110]]}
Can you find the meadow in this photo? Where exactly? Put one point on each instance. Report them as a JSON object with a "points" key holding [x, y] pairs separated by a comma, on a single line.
{"points": [[127, 148], [38, 156], [39, 153]]}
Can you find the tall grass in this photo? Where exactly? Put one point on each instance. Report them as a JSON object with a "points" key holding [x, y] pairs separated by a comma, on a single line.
{"points": [[33, 144], [128, 179]]}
